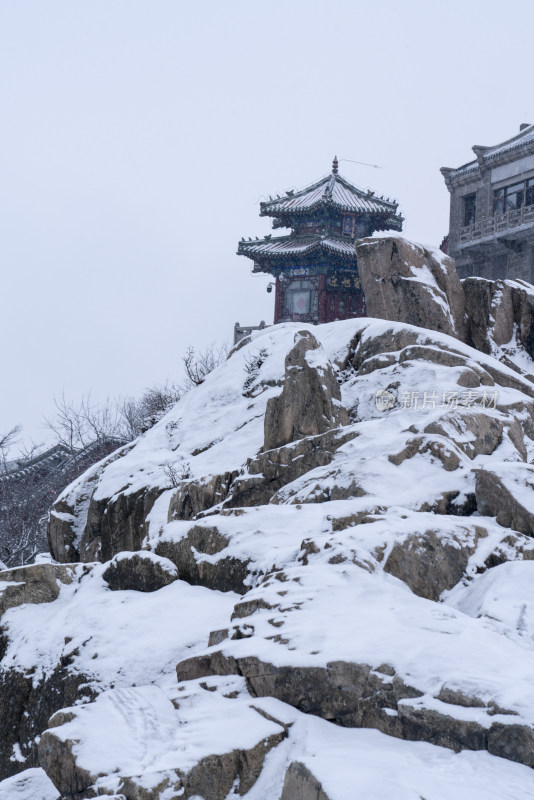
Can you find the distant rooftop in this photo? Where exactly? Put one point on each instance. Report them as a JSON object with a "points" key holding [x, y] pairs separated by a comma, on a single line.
{"points": [[523, 139]]}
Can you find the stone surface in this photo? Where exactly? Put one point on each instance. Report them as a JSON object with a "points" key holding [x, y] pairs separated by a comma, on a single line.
{"points": [[405, 282], [489, 312], [273, 469], [354, 695], [310, 401], [26, 707], [36, 583], [227, 574], [142, 572], [69, 752], [351, 695], [111, 526], [428, 564], [512, 741], [301, 784], [500, 313], [474, 432], [507, 493], [197, 496]]}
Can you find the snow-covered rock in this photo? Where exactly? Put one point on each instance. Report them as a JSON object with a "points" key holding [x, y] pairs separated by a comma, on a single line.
{"points": [[350, 574], [501, 320], [506, 491], [195, 743], [406, 282], [32, 784]]}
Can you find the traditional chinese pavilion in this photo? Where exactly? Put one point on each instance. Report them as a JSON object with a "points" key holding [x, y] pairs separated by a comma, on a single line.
{"points": [[315, 266]]}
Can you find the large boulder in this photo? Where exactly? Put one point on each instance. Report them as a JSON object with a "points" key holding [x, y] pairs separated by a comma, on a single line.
{"points": [[428, 564], [156, 748], [310, 402], [196, 554], [506, 491], [405, 282], [141, 572]]}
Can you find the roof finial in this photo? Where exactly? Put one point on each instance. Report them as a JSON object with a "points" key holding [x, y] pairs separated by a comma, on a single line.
{"points": [[334, 165]]}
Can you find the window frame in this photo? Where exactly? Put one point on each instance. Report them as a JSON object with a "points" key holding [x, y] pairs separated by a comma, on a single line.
{"points": [[469, 208]]}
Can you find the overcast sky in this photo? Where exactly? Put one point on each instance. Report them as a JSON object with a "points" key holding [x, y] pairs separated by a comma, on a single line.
{"points": [[137, 138]]}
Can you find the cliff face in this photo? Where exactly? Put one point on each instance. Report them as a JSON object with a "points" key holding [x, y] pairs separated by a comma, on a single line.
{"points": [[335, 527]]}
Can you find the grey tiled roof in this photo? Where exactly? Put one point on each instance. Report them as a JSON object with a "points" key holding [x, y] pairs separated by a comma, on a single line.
{"points": [[333, 191], [523, 139], [296, 245]]}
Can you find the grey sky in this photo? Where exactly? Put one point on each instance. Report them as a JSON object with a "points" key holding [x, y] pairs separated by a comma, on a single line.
{"points": [[137, 139]]}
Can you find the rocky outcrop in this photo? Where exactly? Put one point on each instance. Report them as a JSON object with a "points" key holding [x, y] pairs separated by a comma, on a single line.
{"points": [[355, 695], [26, 707], [404, 282], [140, 572], [310, 401], [69, 752], [507, 493], [429, 565], [111, 526], [501, 317], [36, 583], [490, 313], [273, 469], [226, 574], [346, 526], [351, 695], [196, 496], [473, 432]]}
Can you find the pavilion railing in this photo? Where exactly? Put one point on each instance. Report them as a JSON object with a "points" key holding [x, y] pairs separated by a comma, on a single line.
{"points": [[500, 223]]}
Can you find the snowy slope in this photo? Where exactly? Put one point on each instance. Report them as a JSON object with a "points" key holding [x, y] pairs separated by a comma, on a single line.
{"points": [[362, 587]]}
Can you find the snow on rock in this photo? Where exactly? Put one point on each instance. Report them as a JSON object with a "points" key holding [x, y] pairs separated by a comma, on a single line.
{"points": [[506, 491], [32, 784], [91, 639], [501, 319], [219, 427], [353, 572], [309, 403], [306, 628], [405, 282], [504, 598], [364, 763], [141, 737], [112, 638], [142, 572]]}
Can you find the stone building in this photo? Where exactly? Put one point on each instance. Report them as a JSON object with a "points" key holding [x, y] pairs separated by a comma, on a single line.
{"points": [[315, 267], [491, 231]]}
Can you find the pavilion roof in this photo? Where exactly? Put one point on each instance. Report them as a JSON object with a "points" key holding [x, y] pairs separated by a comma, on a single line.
{"points": [[282, 246], [331, 191]]}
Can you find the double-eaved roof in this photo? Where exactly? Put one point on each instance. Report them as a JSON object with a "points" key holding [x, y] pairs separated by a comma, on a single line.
{"points": [[334, 192]]}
